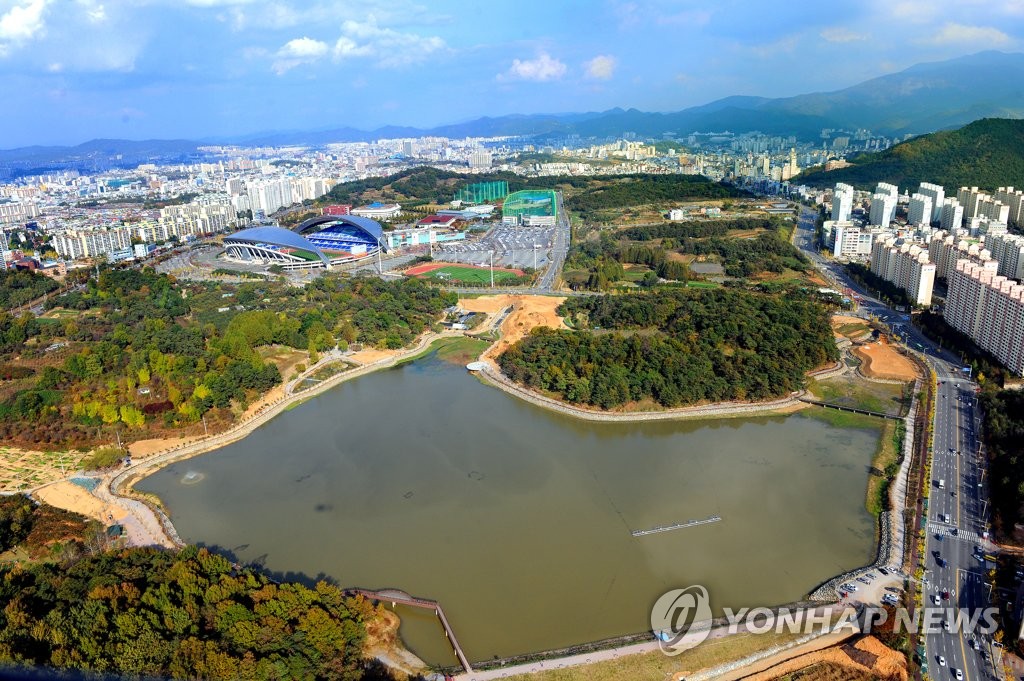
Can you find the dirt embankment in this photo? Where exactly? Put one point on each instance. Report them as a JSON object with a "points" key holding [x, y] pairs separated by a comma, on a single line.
{"points": [[529, 312], [881, 360], [383, 643], [864, 658]]}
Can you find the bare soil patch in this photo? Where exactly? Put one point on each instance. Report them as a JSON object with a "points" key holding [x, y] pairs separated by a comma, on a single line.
{"points": [[529, 313], [881, 360]]}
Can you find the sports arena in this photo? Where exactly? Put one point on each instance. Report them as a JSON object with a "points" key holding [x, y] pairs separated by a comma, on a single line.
{"points": [[319, 242]]}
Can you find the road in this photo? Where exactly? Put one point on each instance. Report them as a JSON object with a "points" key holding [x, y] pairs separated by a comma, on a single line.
{"points": [[559, 249], [957, 512]]}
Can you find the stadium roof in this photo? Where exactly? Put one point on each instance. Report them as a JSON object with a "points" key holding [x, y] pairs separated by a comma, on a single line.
{"points": [[372, 228], [276, 236]]}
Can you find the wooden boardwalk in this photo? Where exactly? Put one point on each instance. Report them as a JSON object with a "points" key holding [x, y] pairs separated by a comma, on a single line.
{"points": [[399, 597]]}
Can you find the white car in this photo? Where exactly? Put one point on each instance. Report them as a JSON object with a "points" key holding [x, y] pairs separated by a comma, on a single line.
{"points": [[945, 625], [942, 661], [936, 599], [959, 674]]}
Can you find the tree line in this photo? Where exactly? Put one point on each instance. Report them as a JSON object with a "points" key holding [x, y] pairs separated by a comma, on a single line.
{"points": [[676, 347], [147, 353], [1003, 414], [18, 287]]}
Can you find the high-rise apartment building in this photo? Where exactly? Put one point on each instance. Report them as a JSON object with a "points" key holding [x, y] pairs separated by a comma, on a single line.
{"points": [[990, 309], [883, 204], [952, 215], [905, 265], [920, 210], [937, 194], [1008, 251], [842, 202]]}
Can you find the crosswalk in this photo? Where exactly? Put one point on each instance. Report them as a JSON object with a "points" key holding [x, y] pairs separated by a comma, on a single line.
{"points": [[947, 531]]}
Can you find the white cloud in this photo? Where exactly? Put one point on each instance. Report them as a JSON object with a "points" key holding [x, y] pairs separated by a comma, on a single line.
{"points": [[297, 52], [390, 48], [601, 67], [840, 35], [22, 22], [543, 68], [955, 34]]}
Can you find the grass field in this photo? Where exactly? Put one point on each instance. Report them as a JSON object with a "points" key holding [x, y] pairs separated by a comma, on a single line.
{"points": [[853, 392], [475, 275], [886, 455]]}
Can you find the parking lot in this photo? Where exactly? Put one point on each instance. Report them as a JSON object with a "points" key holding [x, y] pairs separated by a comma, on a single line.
{"points": [[513, 247]]}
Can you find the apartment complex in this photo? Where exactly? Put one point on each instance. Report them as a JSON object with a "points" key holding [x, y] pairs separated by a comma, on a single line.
{"points": [[851, 241], [945, 250], [989, 308], [907, 266], [206, 216], [74, 244], [1008, 251]]}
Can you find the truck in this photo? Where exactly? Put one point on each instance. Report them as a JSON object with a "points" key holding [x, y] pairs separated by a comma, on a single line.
{"points": [[942, 484]]}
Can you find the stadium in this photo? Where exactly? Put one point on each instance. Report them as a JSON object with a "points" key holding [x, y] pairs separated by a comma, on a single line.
{"points": [[319, 242]]}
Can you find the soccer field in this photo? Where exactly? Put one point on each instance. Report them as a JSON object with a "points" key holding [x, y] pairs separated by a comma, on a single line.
{"points": [[478, 275]]}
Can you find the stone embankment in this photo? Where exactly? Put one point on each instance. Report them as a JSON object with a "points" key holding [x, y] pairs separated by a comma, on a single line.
{"points": [[892, 530]]}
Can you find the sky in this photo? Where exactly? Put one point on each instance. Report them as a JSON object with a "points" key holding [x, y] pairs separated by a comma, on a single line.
{"points": [[74, 70]]}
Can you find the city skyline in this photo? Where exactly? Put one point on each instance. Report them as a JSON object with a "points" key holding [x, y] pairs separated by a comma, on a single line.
{"points": [[208, 68]]}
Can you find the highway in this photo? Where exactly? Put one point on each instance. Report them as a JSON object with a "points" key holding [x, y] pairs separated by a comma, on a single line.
{"points": [[957, 513]]}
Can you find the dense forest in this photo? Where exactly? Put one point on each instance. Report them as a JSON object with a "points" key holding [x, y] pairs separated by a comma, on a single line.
{"points": [[19, 287], [138, 351], [676, 347], [602, 258], [185, 614], [987, 153], [1003, 412]]}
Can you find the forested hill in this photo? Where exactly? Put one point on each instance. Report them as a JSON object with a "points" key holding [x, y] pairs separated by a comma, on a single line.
{"points": [[676, 348], [988, 153]]}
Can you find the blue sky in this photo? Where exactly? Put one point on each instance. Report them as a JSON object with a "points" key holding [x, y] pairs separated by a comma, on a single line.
{"points": [[73, 70]]}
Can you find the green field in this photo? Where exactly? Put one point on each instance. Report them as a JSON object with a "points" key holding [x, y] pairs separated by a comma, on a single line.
{"points": [[478, 275]]}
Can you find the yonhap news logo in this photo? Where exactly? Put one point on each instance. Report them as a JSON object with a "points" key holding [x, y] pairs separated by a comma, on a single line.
{"points": [[681, 619]]}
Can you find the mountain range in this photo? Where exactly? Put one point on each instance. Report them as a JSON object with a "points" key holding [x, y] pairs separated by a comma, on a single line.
{"points": [[923, 98]]}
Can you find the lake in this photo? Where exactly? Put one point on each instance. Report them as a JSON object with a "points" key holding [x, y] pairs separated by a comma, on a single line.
{"points": [[518, 520]]}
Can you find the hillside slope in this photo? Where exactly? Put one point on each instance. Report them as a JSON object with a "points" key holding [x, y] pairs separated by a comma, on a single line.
{"points": [[988, 153]]}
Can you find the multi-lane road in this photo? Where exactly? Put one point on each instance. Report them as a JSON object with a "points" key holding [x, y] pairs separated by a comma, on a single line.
{"points": [[559, 248], [957, 515]]}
